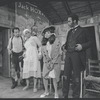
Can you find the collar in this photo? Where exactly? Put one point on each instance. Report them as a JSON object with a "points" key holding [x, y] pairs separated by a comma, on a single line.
{"points": [[75, 27]]}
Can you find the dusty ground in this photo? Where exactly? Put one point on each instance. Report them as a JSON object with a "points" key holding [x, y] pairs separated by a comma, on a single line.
{"points": [[7, 92]]}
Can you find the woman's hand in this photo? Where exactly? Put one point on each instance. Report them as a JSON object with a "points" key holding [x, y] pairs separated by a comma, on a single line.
{"points": [[24, 55], [39, 57]]}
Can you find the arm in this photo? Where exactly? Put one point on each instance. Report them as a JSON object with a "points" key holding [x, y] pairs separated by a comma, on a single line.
{"points": [[38, 42]]}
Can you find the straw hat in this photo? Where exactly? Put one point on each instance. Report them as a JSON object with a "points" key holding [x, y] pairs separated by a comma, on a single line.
{"points": [[48, 29]]}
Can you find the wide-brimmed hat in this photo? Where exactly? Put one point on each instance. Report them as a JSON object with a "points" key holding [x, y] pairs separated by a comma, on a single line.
{"points": [[49, 28]]}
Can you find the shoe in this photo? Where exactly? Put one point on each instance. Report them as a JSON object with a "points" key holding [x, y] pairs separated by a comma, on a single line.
{"points": [[44, 94], [25, 88], [56, 96], [14, 85], [34, 90]]}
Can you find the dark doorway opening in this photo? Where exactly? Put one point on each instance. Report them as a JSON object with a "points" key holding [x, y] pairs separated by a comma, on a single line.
{"points": [[92, 52], [4, 68]]}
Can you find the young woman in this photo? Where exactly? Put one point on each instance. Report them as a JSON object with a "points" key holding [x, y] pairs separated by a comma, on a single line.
{"points": [[51, 58], [31, 58]]}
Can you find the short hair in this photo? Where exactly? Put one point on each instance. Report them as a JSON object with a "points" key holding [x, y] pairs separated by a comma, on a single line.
{"points": [[15, 28], [74, 17]]}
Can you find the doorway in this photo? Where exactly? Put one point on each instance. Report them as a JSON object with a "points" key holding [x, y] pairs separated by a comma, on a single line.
{"points": [[4, 66], [92, 51]]}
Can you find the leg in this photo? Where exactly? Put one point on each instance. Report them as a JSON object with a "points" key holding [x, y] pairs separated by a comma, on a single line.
{"points": [[14, 84], [18, 67], [18, 70], [27, 84], [76, 87], [39, 83], [67, 76], [13, 72], [22, 81], [55, 87], [45, 82], [76, 74], [34, 88]]}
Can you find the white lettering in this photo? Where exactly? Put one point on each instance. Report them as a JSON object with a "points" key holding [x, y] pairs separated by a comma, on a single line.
{"points": [[27, 7], [19, 4], [30, 8]]}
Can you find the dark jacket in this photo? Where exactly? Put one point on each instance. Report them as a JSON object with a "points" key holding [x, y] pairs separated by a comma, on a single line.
{"points": [[83, 37]]}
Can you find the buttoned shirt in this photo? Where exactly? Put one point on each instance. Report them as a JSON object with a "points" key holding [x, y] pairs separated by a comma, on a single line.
{"points": [[16, 44]]}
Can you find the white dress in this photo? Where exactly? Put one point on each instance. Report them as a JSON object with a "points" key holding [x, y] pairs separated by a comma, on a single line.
{"points": [[31, 67]]}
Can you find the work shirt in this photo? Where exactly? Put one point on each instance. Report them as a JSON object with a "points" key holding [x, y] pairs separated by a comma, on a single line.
{"points": [[16, 44]]}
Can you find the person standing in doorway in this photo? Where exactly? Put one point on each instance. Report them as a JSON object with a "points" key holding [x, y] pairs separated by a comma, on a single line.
{"points": [[15, 49], [77, 42]]}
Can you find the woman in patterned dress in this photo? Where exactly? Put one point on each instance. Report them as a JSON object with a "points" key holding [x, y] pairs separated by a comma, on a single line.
{"points": [[51, 57]]}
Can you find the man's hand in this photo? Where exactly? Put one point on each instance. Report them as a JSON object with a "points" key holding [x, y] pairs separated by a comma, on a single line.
{"points": [[10, 52], [78, 47], [65, 77]]}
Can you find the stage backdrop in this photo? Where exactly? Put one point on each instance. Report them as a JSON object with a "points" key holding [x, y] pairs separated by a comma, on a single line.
{"points": [[28, 16]]}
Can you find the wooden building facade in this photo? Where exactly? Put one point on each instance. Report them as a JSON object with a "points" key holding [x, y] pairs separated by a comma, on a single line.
{"points": [[26, 15], [20, 14]]}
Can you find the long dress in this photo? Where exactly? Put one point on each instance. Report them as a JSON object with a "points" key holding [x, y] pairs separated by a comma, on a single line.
{"points": [[31, 66], [52, 52]]}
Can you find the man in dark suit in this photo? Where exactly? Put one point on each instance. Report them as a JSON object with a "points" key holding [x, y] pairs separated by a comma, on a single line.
{"points": [[78, 40]]}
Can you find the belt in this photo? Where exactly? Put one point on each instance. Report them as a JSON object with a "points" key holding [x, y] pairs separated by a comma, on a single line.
{"points": [[17, 53]]}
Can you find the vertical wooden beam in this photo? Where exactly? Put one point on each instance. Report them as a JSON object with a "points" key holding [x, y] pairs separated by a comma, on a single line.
{"points": [[66, 5], [89, 5]]}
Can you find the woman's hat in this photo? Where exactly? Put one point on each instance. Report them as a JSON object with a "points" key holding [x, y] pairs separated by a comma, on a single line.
{"points": [[50, 28]]}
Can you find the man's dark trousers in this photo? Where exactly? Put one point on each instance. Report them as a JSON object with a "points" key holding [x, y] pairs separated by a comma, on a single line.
{"points": [[72, 65], [15, 62]]}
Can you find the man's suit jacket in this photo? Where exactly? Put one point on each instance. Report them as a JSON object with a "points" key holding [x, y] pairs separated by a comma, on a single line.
{"points": [[83, 37]]}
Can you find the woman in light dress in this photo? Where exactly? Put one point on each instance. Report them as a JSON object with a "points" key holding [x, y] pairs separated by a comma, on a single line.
{"points": [[51, 57], [31, 67]]}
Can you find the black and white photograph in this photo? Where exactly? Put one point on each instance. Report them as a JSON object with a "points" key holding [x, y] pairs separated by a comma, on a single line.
{"points": [[49, 49]]}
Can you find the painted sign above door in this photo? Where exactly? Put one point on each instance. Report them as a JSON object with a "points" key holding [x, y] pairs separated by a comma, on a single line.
{"points": [[28, 16]]}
